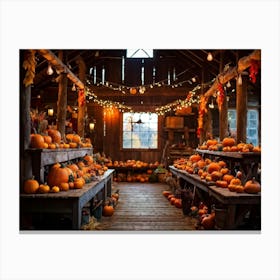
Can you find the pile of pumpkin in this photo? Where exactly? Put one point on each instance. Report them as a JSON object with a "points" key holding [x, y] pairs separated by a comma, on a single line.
{"points": [[218, 173], [62, 177], [132, 163], [134, 177], [52, 140], [173, 198], [228, 144]]}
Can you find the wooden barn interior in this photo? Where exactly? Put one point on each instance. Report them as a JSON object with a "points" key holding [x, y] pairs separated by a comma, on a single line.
{"points": [[195, 96]]}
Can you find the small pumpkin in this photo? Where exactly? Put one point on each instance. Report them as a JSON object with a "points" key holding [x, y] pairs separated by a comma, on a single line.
{"points": [[31, 186], [216, 175], [55, 189], [239, 189], [64, 186], [108, 211], [165, 193], [252, 186], [178, 202], [228, 142], [211, 142], [235, 181], [44, 188], [222, 184], [213, 166], [195, 158], [47, 139], [228, 178], [79, 183]]}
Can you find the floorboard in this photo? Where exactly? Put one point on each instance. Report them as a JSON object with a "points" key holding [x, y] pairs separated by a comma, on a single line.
{"points": [[142, 207]]}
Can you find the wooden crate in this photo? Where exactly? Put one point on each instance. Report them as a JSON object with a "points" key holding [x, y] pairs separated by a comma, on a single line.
{"points": [[174, 122]]}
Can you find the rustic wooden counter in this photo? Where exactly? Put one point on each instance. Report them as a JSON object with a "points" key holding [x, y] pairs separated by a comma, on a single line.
{"points": [[236, 204], [44, 157], [69, 202]]}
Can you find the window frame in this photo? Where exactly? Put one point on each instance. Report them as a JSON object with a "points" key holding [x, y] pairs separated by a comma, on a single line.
{"points": [[138, 149]]}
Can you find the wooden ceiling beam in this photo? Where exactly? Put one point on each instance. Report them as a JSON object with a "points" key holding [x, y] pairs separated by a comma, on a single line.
{"points": [[60, 66]]}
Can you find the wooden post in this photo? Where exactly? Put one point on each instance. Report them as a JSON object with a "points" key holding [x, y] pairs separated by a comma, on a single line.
{"points": [[241, 110], [62, 101], [25, 121], [223, 113], [82, 107]]}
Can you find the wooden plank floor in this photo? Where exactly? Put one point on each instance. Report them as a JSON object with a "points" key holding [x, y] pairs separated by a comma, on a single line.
{"points": [[142, 207]]}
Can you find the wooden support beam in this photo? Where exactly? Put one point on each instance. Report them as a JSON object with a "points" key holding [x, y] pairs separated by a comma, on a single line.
{"points": [[60, 66], [232, 72], [241, 110], [82, 105]]}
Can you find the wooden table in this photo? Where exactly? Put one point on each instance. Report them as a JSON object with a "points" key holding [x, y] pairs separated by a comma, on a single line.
{"points": [[248, 162], [236, 204], [69, 202]]}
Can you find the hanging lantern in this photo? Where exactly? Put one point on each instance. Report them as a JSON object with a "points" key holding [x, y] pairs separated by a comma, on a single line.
{"points": [[133, 91]]}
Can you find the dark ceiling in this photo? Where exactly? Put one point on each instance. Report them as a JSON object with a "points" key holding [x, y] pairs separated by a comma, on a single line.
{"points": [[182, 65]]}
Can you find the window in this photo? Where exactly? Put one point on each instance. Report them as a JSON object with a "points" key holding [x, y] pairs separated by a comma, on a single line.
{"points": [[252, 125], [139, 53], [140, 131]]}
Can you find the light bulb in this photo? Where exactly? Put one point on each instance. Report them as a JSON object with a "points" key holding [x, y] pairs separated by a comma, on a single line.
{"points": [[194, 79], [49, 70], [209, 57], [228, 84], [73, 87], [239, 80]]}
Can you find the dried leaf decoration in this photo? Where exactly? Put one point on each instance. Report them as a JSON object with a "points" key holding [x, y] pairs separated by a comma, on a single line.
{"points": [[29, 64]]}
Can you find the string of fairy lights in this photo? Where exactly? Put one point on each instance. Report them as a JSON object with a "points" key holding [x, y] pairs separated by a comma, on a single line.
{"points": [[192, 97]]}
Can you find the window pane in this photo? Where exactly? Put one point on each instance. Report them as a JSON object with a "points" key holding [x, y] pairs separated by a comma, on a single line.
{"points": [[143, 129]]}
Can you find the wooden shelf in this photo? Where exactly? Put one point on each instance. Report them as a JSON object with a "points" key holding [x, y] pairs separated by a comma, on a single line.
{"points": [[43, 157]]}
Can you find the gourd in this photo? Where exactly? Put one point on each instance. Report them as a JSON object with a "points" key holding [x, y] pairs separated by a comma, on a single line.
{"points": [[166, 193], [252, 186], [208, 221], [79, 183], [221, 184], [64, 187], [31, 186], [178, 202]]}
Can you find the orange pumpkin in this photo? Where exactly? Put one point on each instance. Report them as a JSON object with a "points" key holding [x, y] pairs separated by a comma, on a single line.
{"points": [[252, 186], [178, 203], [216, 175], [221, 184], [47, 139], [239, 189], [57, 175], [195, 158], [79, 183], [211, 142], [213, 166], [228, 178], [88, 159], [31, 186], [55, 189], [228, 142], [108, 210], [44, 188], [64, 186], [235, 181], [55, 135], [37, 141]]}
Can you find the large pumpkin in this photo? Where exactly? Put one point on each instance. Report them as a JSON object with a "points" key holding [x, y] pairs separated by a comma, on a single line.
{"points": [[37, 141], [55, 135], [31, 186], [57, 175]]}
